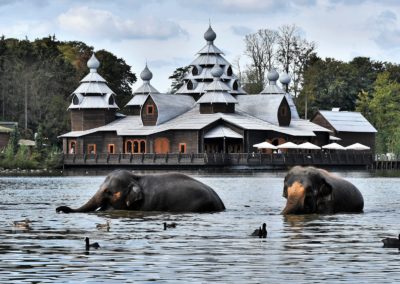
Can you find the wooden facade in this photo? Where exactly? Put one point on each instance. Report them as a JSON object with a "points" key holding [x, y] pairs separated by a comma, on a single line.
{"points": [[347, 137], [84, 119], [4, 138]]}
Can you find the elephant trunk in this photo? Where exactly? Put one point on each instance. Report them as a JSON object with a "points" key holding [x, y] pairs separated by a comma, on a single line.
{"points": [[89, 206], [295, 199]]}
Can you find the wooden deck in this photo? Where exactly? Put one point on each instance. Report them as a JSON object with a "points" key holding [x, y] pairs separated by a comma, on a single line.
{"points": [[251, 160]]}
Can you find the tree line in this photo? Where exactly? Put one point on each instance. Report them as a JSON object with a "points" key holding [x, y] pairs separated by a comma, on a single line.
{"points": [[37, 78]]}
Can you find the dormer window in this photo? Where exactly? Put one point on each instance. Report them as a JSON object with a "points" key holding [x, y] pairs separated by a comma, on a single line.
{"points": [[235, 86], [111, 100], [229, 71], [75, 100], [150, 109]]}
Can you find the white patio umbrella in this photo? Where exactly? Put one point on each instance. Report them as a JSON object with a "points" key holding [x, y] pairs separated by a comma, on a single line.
{"points": [[309, 146], [265, 145], [334, 138], [333, 146], [288, 145], [358, 147]]}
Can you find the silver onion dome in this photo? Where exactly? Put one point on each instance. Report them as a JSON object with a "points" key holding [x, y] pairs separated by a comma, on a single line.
{"points": [[93, 62], [146, 74], [272, 75], [217, 71], [284, 78], [210, 35]]}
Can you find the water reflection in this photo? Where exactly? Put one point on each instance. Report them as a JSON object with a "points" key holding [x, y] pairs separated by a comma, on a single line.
{"points": [[203, 247]]}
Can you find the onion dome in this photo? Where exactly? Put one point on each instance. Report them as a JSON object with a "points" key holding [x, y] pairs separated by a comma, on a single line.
{"points": [[217, 71], [272, 76], [284, 78], [146, 74], [93, 63], [210, 35]]}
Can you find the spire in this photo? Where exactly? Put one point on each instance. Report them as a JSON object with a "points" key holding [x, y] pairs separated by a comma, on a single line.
{"points": [[93, 63]]}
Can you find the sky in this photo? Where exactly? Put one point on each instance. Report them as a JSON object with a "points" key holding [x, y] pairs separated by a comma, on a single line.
{"points": [[168, 33]]}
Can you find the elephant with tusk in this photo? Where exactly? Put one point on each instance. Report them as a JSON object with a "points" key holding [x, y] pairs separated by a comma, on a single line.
{"points": [[313, 190], [172, 192]]}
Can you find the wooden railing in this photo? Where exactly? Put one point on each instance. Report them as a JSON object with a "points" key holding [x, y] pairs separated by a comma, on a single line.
{"points": [[220, 159]]}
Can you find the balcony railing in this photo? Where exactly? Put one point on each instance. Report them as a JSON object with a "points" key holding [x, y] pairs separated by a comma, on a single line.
{"points": [[220, 159]]}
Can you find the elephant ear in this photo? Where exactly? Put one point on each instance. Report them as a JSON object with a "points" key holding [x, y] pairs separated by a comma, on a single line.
{"points": [[326, 185], [134, 194]]}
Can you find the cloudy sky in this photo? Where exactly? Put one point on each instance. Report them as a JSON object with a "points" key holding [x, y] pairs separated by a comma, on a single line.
{"points": [[168, 33]]}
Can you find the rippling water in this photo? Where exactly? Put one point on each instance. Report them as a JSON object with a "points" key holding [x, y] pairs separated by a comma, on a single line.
{"points": [[203, 247]]}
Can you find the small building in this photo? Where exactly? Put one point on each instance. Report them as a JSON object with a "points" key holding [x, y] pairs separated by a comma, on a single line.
{"points": [[210, 113], [349, 127], [6, 128]]}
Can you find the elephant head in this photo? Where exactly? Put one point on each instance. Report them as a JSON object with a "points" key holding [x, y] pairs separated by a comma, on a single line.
{"points": [[120, 190], [307, 190]]}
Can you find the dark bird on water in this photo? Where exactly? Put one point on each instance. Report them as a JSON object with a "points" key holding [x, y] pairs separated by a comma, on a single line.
{"points": [[89, 245], [391, 242], [171, 225], [261, 232]]}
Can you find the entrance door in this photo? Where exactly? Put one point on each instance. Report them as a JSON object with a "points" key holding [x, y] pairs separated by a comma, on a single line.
{"points": [[161, 145]]}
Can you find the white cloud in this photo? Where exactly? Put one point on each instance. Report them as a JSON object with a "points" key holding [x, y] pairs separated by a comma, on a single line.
{"points": [[103, 24], [241, 30], [387, 30]]}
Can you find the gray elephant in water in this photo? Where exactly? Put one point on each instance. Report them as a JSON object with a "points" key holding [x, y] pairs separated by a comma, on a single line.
{"points": [[172, 192], [312, 190]]}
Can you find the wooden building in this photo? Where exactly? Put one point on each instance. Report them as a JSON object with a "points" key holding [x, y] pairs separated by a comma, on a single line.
{"points": [[6, 128], [348, 127], [210, 113]]}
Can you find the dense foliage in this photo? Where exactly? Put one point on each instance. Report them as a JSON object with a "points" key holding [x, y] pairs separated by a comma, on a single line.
{"points": [[37, 77]]}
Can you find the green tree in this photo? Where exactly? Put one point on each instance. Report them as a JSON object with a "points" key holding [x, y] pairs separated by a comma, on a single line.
{"points": [[385, 109], [177, 78]]}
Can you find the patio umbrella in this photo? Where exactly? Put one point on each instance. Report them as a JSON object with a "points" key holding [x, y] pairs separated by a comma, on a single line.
{"points": [[357, 146], [309, 146], [333, 146], [265, 145], [334, 138], [288, 145]]}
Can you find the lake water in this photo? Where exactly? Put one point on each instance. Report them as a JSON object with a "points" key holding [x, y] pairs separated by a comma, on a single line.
{"points": [[203, 248]]}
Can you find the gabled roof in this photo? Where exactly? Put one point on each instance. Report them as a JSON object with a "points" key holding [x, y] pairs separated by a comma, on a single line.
{"points": [[347, 121], [137, 100], [170, 106], [221, 131], [217, 98], [261, 106]]}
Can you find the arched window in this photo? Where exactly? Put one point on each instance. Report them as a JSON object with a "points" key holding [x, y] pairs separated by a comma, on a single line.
{"points": [[142, 146], [128, 146], [135, 146]]}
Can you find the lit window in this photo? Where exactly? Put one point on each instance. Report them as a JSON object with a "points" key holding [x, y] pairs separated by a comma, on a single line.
{"points": [[91, 148], [111, 149], [72, 147], [182, 148]]}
